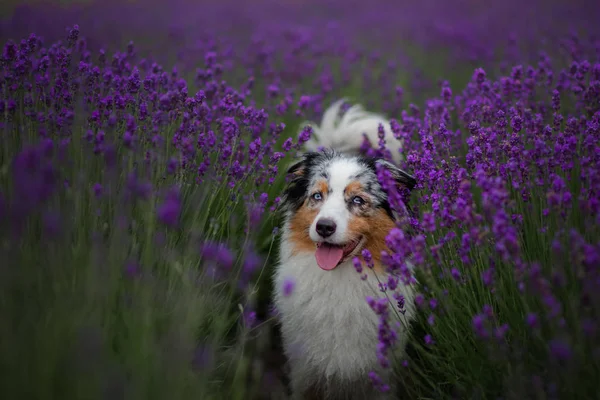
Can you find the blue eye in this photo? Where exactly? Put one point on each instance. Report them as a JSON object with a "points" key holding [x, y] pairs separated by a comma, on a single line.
{"points": [[358, 200], [317, 196]]}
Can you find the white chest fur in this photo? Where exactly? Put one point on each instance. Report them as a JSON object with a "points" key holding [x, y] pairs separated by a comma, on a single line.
{"points": [[329, 331]]}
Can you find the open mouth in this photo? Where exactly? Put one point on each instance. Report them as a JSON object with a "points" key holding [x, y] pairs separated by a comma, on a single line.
{"points": [[331, 255]]}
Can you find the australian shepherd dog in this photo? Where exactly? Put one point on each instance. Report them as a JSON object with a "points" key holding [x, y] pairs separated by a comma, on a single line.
{"points": [[335, 207]]}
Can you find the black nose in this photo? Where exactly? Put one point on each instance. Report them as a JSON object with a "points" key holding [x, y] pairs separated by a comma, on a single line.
{"points": [[326, 227]]}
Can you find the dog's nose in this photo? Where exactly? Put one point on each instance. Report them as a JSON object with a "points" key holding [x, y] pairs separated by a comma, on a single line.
{"points": [[326, 227]]}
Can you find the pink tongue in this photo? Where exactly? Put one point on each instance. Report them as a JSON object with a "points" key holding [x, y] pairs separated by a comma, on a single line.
{"points": [[328, 257]]}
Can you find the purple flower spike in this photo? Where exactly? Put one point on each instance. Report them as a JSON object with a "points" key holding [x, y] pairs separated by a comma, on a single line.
{"points": [[288, 287], [168, 212]]}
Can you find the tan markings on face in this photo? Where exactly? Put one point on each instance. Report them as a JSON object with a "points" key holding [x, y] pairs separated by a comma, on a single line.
{"points": [[353, 188], [299, 227], [374, 227], [322, 187]]}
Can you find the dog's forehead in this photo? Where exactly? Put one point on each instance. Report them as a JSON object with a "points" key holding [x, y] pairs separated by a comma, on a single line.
{"points": [[340, 172]]}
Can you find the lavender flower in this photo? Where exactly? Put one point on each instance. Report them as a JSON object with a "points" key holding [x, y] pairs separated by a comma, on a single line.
{"points": [[168, 212], [506, 203], [288, 287]]}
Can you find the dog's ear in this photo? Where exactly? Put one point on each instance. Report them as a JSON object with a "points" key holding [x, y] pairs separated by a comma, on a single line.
{"points": [[298, 168], [297, 187], [405, 183], [301, 166], [402, 178]]}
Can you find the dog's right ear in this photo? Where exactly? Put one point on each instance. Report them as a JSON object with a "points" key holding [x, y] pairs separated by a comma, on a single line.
{"points": [[297, 187], [300, 167], [297, 169]]}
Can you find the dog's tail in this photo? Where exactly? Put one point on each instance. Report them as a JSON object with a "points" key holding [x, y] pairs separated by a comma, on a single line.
{"points": [[346, 133]]}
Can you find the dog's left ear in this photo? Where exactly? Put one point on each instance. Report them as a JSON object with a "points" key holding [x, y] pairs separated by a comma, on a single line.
{"points": [[401, 177]]}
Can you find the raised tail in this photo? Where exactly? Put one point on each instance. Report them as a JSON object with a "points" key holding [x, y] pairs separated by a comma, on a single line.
{"points": [[345, 133]]}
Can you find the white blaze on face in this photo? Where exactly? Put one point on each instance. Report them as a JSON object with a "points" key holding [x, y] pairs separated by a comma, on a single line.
{"points": [[334, 207]]}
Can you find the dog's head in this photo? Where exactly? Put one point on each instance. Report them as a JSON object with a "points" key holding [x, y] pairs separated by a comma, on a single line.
{"points": [[335, 206]]}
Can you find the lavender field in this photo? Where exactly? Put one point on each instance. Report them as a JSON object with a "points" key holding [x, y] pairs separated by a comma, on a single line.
{"points": [[143, 150]]}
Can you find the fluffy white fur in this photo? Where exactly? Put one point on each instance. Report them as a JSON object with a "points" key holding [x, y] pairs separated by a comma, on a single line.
{"points": [[345, 133], [329, 331]]}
